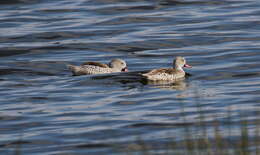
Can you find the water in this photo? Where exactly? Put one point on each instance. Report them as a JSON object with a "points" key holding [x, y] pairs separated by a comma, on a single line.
{"points": [[45, 110]]}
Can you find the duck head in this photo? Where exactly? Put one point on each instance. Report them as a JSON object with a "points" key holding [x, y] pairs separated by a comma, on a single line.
{"points": [[118, 64], [180, 62]]}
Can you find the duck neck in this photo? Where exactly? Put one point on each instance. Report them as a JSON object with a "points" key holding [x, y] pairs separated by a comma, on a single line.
{"points": [[178, 68], [115, 69]]}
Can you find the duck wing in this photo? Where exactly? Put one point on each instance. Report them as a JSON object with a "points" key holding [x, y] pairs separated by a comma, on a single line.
{"points": [[161, 71], [95, 64]]}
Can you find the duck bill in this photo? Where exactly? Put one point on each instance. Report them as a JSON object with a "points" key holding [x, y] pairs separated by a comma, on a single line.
{"points": [[124, 69], [187, 66]]}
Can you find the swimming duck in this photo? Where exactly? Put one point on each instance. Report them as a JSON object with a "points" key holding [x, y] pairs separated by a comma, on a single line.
{"points": [[115, 65], [170, 74]]}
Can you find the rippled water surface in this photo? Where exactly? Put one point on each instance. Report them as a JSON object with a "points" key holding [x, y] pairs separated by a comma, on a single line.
{"points": [[44, 109]]}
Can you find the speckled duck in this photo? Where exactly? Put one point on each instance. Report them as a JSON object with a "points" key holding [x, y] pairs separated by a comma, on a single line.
{"points": [[87, 68], [170, 74]]}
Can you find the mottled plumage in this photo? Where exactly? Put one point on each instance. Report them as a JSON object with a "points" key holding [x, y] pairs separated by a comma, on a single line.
{"points": [[95, 64], [115, 65], [170, 74]]}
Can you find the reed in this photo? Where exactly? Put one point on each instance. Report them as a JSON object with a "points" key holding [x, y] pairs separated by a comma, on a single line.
{"points": [[243, 144], [207, 136]]}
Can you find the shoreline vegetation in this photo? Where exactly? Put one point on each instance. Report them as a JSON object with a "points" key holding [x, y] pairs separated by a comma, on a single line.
{"points": [[209, 136], [245, 141]]}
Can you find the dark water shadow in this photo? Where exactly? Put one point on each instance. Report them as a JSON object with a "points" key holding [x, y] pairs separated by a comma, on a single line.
{"points": [[9, 71], [12, 2], [191, 2], [96, 145], [14, 51]]}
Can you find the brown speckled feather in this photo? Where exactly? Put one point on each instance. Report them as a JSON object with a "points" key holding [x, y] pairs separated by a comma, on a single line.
{"points": [[162, 71], [95, 64]]}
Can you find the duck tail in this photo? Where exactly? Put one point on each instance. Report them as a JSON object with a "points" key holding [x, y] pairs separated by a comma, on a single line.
{"points": [[145, 74], [73, 69]]}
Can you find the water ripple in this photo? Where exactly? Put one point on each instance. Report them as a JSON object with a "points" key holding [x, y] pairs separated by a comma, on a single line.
{"points": [[46, 110]]}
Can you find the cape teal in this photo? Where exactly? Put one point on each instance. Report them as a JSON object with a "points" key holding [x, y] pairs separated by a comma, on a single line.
{"points": [[87, 68], [170, 74]]}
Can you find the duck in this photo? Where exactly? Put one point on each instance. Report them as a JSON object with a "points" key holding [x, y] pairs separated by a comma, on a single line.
{"points": [[169, 74], [88, 68]]}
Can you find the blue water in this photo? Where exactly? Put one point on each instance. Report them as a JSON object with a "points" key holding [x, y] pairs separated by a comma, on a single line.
{"points": [[46, 110]]}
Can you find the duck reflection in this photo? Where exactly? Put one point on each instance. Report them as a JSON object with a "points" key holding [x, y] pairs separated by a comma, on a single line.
{"points": [[177, 85]]}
